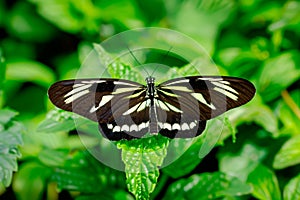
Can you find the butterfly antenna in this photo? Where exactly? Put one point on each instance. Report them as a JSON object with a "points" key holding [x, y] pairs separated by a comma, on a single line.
{"points": [[136, 60], [166, 55]]}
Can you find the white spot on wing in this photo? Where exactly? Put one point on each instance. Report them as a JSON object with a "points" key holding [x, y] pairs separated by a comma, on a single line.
{"points": [[123, 89], [134, 127], [202, 100], [176, 126], [192, 125], [143, 106], [78, 89], [110, 126], [228, 94], [168, 93], [178, 88], [167, 126], [179, 81], [117, 129], [210, 79], [105, 99], [185, 126], [76, 96], [226, 87], [225, 82], [161, 105], [135, 95], [160, 124], [124, 83], [132, 109], [142, 125], [175, 109], [93, 81], [125, 128], [78, 85]]}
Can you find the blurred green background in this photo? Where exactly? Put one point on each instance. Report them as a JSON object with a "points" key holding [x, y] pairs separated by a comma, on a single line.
{"points": [[42, 41]]}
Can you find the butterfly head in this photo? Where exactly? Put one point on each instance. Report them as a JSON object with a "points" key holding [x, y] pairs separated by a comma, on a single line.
{"points": [[150, 80]]}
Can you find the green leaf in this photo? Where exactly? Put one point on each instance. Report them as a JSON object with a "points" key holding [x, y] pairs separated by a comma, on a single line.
{"points": [[35, 72], [270, 86], [6, 115], [53, 158], [255, 111], [239, 161], [198, 149], [142, 159], [187, 161], [149, 7], [2, 69], [287, 115], [292, 189], [57, 120], [289, 154], [76, 179], [2, 74], [3, 12], [117, 69], [264, 183], [289, 18], [75, 16], [67, 14], [10, 139], [25, 24], [30, 181], [107, 195], [82, 172], [207, 186], [208, 14]]}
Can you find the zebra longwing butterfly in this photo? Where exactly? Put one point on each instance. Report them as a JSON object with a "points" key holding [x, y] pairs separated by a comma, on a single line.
{"points": [[178, 108]]}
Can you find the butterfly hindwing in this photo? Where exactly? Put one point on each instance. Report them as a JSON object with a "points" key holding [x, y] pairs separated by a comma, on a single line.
{"points": [[104, 101], [190, 101], [176, 108]]}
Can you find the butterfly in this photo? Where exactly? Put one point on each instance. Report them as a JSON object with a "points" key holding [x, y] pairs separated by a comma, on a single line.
{"points": [[177, 108]]}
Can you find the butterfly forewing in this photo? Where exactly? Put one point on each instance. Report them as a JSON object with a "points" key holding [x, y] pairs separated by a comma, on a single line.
{"points": [[196, 99], [105, 101], [176, 108]]}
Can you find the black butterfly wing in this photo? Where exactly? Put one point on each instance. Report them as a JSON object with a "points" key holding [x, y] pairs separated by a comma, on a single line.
{"points": [[188, 102], [106, 101]]}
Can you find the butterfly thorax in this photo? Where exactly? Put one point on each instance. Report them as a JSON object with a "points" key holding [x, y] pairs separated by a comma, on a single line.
{"points": [[150, 89]]}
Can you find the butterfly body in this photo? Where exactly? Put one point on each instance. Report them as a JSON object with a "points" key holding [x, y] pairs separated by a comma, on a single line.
{"points": [[176, 108]]}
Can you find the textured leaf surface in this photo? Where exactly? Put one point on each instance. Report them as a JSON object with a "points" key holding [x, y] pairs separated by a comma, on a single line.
{"points": [[192, 151], [57, 120], [289, 154], [207, 186], [2, 68], [270, 85], [264, 183], [35, 72], [37, 174], [292, 189], [10, 140], [81, 172], [142, 159]]}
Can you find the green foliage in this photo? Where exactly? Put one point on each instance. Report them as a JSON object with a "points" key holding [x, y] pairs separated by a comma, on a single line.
{"points": [[264, 182], [207, 186], [291, 190], [42, 41], [11, 139], [289, 154], [142, 159], [269, 83]]}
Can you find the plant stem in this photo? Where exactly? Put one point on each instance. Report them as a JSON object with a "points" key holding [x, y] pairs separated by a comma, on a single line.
{"points": [[291, 103]]}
